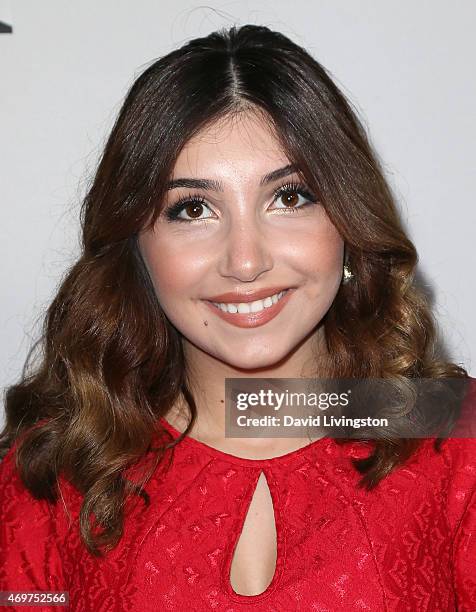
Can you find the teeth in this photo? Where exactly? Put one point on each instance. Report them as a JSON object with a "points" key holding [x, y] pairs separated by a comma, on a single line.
{"points": [[247, 307]]}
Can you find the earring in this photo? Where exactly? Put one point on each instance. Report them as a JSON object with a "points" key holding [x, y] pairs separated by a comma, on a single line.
{"points": [[347, 274]]}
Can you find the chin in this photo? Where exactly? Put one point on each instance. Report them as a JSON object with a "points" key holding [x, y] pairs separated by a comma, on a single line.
{"points": [[252, 360]]}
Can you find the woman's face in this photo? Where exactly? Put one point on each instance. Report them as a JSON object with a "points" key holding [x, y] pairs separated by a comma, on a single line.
{"points": [[245, 234]]}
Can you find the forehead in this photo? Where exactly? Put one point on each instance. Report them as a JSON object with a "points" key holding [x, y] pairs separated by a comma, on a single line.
{"points": [[242, 145]]}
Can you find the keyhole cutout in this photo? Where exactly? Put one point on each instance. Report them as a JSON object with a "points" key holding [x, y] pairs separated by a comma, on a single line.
{"points": [[254, 558]]}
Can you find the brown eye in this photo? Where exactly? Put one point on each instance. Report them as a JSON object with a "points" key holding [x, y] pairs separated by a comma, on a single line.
{"points": [[290, 198], [194, 210], [188, 209]]}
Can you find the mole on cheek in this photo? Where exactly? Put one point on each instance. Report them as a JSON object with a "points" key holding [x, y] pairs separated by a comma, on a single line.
{"points": [[205, 323]]}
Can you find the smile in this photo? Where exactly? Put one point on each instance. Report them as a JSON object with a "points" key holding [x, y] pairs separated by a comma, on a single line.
{"points": [[251, 314], [247, 307]]}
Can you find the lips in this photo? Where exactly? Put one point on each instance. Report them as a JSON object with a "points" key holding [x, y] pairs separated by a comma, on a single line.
{"points": [[251, 319]]}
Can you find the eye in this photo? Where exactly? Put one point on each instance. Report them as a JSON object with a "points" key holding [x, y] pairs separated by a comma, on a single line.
{"points": [[193, 206], [287, 195]]}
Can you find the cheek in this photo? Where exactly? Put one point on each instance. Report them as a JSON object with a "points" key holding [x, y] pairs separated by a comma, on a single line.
{"points": [[173, 268], [317, 251]]}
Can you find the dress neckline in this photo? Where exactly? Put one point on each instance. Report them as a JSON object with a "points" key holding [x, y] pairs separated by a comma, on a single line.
{"points": [[323, 442]]}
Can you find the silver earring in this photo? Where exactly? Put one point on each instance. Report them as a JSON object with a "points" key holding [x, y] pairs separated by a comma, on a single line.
{"points": [[347, 274]]}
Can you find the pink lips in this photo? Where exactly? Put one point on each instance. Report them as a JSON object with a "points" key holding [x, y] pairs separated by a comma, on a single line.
{"points": [[252, 319], [237, 297]]}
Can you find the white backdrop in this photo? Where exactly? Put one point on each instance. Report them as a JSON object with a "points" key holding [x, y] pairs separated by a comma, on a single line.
{"points": [[407, 66]]}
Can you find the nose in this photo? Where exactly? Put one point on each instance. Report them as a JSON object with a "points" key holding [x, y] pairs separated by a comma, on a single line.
{"points": [[246, 253]]}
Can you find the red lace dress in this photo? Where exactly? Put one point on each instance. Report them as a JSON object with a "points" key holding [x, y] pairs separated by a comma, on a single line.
{"points": [[408, 546]]}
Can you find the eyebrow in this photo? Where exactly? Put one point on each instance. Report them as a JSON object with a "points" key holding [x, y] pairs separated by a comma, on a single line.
{"points": [[208, 184]]}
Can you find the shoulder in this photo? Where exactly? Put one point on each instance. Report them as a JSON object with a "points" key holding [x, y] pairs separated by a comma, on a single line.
{"points": [[459, 451], [459, 448], [19, 509], [457, 461], [22, 513], [15, 494], [28, 535], [11, 484], [32, 532]]}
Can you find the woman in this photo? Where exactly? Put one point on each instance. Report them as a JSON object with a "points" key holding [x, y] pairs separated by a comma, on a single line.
{"points": [[236, 172]]}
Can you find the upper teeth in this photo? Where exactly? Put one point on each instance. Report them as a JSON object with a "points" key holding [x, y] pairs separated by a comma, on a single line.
{"points": [[247, 307]]}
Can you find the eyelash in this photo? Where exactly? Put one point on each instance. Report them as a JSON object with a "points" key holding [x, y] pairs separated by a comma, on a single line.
{"points": [[172, 213]]}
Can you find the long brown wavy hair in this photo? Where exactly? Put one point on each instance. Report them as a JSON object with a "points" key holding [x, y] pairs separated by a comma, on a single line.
{"points": [[111, 363]]}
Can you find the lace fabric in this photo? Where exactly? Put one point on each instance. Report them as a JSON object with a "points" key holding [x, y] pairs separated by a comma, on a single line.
{"points": [[408, 545]]}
